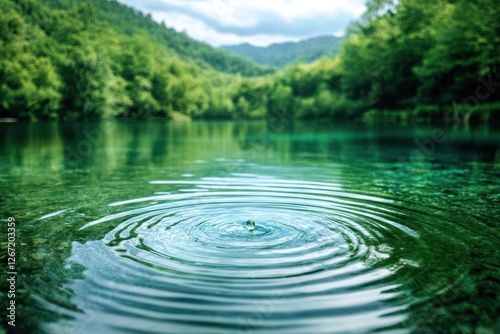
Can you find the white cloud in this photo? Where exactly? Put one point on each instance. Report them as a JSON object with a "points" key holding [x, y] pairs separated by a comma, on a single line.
{"points": [[200, 31], [259, 22]]}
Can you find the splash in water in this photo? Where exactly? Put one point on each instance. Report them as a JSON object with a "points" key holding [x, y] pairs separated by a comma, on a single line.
{"points": [[250, 225]]}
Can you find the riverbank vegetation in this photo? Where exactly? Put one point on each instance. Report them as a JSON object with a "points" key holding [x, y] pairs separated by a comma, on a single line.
{"points": [[98, 59]]}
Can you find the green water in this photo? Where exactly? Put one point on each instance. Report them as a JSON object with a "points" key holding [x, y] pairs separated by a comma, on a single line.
{"points": [[141, 227]]}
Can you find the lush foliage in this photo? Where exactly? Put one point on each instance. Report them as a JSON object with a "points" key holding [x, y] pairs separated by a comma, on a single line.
{"points": [[69, 64], [94, 59], [407, 58], [130, 22], [282, 54]]}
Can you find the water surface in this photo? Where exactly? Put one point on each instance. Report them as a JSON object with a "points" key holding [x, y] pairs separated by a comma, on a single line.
{"points": [[141, 227]]}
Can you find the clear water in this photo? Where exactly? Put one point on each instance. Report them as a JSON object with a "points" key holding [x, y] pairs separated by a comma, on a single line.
{"points": [[142, 227]]}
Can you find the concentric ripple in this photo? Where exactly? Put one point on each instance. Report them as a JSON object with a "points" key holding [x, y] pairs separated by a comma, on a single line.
{"points": [[318, 261]]}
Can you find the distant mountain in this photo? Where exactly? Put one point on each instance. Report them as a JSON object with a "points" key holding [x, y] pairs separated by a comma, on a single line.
{"points": [[281, 54]]}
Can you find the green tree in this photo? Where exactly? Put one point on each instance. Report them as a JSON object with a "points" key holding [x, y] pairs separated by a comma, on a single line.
{"points": [[466, 48], [29, 87], [92, 89], [29, 84]]}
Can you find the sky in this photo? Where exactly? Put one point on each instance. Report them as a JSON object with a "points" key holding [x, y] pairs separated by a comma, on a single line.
{"points": [[258, 22]]}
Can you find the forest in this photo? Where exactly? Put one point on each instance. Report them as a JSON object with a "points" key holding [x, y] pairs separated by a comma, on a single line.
{"points": [[97, 59]]}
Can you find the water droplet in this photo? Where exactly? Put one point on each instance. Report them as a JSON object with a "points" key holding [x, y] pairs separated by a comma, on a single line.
{"points": [[250, 225]]}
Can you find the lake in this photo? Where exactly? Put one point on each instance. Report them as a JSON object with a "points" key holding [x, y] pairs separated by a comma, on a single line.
{"points": [[140, 227]]}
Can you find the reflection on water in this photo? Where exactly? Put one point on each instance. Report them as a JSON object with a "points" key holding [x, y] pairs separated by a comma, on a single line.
{"points": [[143, 227]]}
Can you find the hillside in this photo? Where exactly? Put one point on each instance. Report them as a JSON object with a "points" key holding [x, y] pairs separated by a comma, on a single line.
{"points": [[70, 60], [70, 64], [423, 59], [130, 21], [282, 54]]}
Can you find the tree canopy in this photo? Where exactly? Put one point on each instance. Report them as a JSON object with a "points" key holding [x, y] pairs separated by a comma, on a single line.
{"points": [[70, 64], [406, 58], [96, 59]]}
